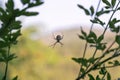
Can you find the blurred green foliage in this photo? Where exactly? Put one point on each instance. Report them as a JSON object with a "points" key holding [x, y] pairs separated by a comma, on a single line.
{"points": [[10, 29], [107, 58]]}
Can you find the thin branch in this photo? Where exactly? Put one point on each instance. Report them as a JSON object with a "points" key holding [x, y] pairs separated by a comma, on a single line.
{"points": [[86, 44], [105, 52], [95, 53], [85, 49], [6, 68], [108, 66], [95, 14]]}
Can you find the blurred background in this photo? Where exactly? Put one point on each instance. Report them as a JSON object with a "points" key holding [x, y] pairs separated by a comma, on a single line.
{"points": [[36, 59]]}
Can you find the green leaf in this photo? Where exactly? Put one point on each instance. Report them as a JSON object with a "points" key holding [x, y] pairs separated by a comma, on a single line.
{"points": [[85, 10], [82, 70], [16, 25], [108, 76], [92, 10], [29, 13], [99, 13], [3, 44], [11, 57], [116, 63], [81, 37], [102, 71], [91, 77], [111, 50], [91, 40], [4, 18], [100, 38], [113, 2], [110, 62], [83, 32], [92, 60], [76, 60], [15, 78], [2, 51], [25, 1], [15, 36], [17, 12], [118, 8], [4, 57], [98, 21], [93, 21], [2, 11], [97, 77], [112, 25], [107, 7], [117, 39], [101, 46], [92, 36], [10, 5], [106, 2], [80, 60], [38, 2]]}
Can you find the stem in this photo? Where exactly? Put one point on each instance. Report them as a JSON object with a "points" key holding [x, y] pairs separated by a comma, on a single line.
{"points": [[109, 66], [95, 14], [110, 46], [6, 68], [105, 52], [109, 58], [95, 53], [104, 76], [93, 57], [8, 53], [85, 49]]}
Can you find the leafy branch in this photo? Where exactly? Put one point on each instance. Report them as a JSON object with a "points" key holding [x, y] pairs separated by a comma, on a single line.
{"points": [[11, 29], [99, 63]]}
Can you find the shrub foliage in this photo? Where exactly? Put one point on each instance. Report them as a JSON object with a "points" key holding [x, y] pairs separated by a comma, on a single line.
{"points": [[10, 29], [108, 56]]}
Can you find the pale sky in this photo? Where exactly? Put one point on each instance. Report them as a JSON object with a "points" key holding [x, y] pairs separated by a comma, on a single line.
{"points": [[55, 14]]}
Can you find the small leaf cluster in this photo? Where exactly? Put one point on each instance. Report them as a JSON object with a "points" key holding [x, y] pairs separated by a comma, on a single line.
{"points": [[108, 53], [10, 29], [87, 12], [102, 73], [93, 39]]}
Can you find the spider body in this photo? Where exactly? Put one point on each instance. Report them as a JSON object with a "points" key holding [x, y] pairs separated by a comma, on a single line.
{"points": [[58, 38]]}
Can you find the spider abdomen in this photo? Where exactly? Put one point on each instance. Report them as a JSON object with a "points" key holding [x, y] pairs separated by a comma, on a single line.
{"points": [[58, 38]]}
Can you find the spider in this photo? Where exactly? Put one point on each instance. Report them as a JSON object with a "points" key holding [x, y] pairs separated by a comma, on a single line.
{"points": [[57, 38]]}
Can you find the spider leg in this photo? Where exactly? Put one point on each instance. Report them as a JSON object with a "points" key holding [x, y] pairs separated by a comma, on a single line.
{"points": [[53, 45], [61, 43]]}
